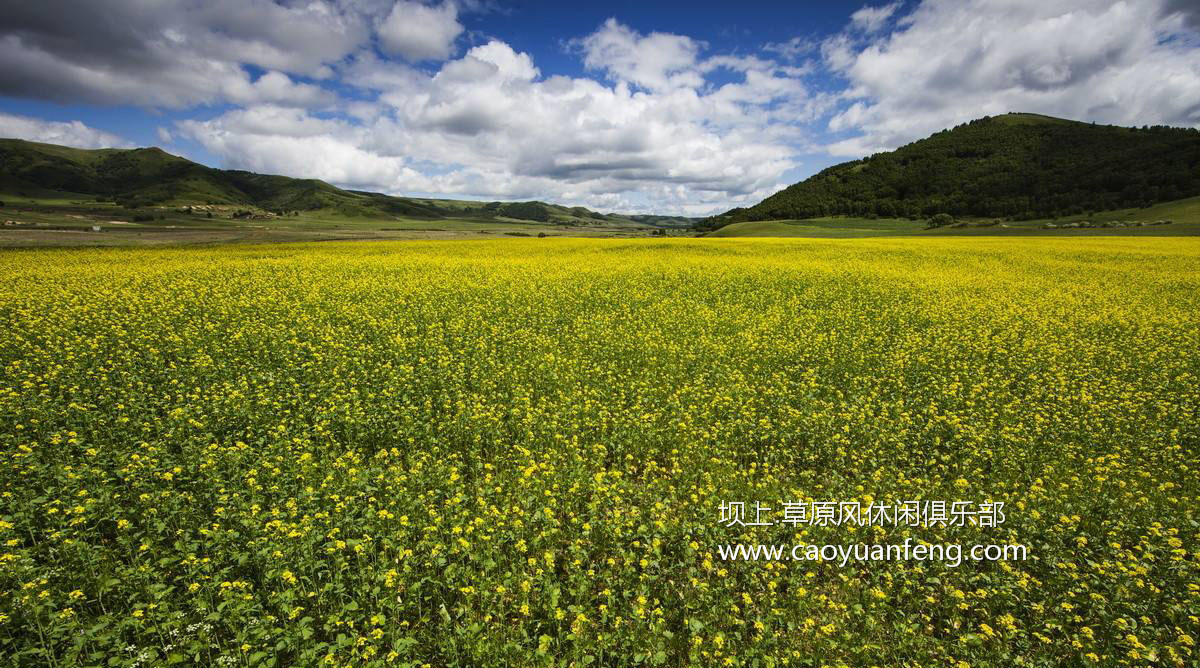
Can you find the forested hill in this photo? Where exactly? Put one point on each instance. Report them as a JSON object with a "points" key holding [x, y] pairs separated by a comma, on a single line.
{"points": [[1016, 166]]}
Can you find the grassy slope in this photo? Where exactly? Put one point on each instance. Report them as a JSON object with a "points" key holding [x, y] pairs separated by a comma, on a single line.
{"points": [[1184, 213], [69, 222], [1030, 119], [820, 227]]}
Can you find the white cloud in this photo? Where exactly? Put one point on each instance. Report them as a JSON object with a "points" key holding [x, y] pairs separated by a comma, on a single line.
{"points": [[296, 37], [954, 60], [68, 133], [421, 32], [792, 49], [275, 88], [279, 140], [489, 125], [164, 135], [656, 61], [871, 19]]}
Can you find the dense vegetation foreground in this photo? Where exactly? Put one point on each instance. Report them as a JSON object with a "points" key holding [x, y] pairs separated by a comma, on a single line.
{"points": [[515, 452]]}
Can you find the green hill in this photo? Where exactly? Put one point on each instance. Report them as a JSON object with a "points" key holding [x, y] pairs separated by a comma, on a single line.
{"points": [[1017, 166], [151, 177]]}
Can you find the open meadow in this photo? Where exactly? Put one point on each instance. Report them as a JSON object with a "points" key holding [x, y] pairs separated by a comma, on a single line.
{"points": [[1171, 219], [522, 452], [43, 223]]}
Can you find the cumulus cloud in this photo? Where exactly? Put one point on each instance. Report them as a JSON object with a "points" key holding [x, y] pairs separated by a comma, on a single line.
{"points": [[488, 124], [656, 61], [291, 142], [421, 32], [275, 88], [954, 60], [176, 54], [69, 133]]}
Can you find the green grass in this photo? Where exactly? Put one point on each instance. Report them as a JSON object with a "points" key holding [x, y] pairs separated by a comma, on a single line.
{"points": [[1182, 211], [820, 228], [59, 219], [1184, 214], [1024, 118]]}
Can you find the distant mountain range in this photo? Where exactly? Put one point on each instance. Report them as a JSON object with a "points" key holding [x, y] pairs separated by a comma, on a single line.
{"points": [[148, 177], [1019, 166]]}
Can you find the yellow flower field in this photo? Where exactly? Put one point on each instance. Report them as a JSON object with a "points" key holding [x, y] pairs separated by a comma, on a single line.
{"points": [[516, 452]]}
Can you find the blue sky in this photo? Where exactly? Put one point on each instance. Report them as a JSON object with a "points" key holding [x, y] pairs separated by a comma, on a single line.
{"points": [[632, 106]]}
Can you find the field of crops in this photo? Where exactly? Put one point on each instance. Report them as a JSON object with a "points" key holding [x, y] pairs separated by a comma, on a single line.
{"points": [[516, 452]]}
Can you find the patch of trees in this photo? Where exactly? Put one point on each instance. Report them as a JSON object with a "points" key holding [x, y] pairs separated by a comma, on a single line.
{"points": [[143, 216], [534, 211], [939, 220], [404, 207], [584, 212], [133, 201], [991, 167]]}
